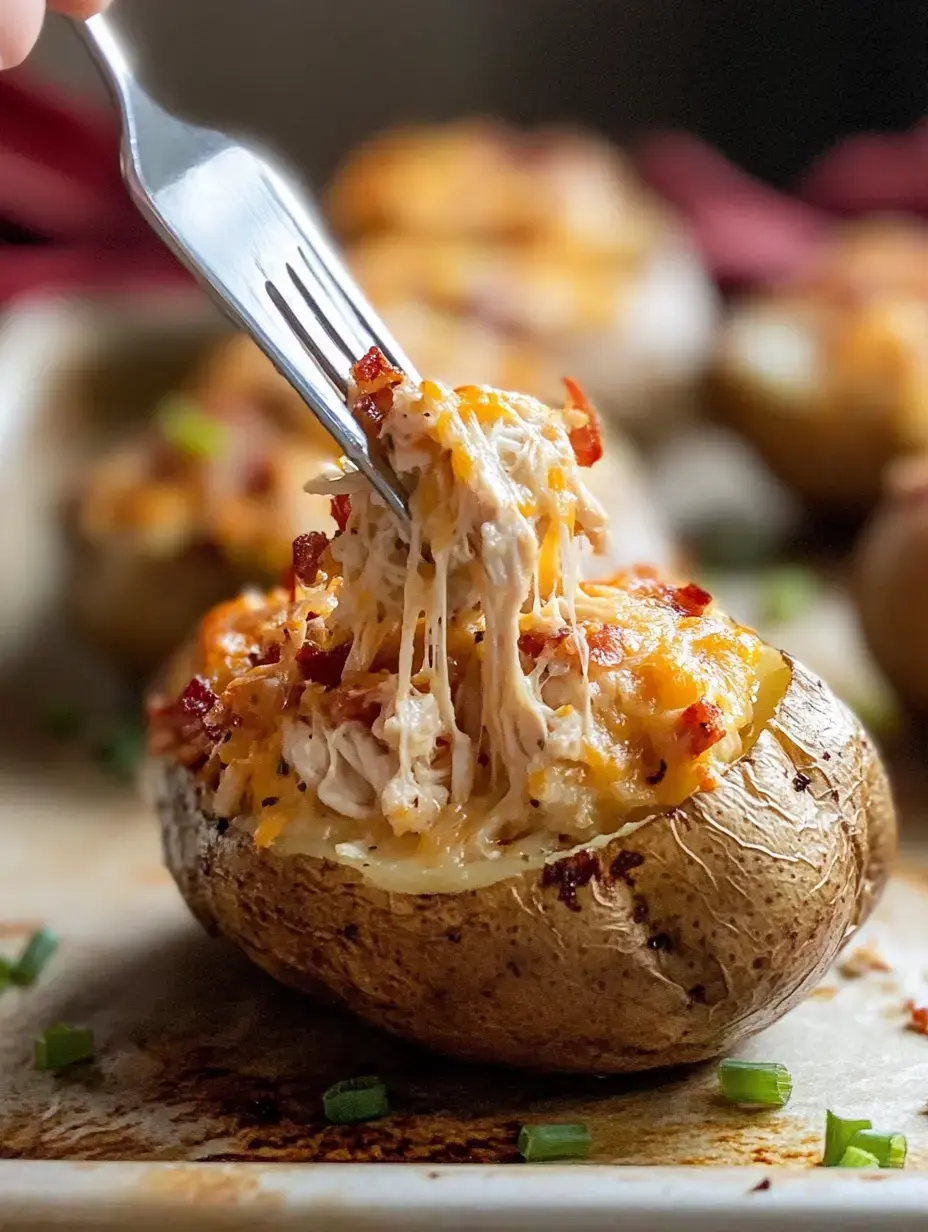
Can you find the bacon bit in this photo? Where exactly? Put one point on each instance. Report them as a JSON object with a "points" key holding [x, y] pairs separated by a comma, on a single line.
{"points": [[691, 600], [918, 1018], [535, 644], [701, 726], [607, 647], [180, 729], [862, 961], [369, 415], [307, 552], [198, 698], [340, 508], [265, 657], [587, 439], [374, 372], [323, 667]]}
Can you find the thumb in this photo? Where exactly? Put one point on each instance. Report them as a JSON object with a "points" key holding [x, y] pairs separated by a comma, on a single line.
{"points": [[20, 23]]}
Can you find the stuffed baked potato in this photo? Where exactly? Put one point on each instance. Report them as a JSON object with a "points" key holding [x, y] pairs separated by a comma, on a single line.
{"points": [[512, 257], [827, 376], [503, 812]]}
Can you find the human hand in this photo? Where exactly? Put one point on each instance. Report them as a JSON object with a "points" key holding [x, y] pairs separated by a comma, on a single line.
{"points": [[21, 21]]}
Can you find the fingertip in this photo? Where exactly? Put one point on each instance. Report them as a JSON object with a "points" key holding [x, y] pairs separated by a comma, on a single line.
{"points": [[80, 9], [20, 25]]}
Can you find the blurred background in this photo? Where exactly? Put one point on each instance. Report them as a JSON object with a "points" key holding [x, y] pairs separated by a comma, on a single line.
{"points": [[711, 216]]}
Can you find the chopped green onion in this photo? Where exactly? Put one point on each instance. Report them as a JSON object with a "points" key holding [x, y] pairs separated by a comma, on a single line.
{"points": [[62, 719], [786, 593], [189, 429], [36, 953], [61, 1046], [890, 1149], [838, 1134], [543, 1143], [6, 974], [764, 1084], [121, 753], [854, 1157], [356, 1099]]}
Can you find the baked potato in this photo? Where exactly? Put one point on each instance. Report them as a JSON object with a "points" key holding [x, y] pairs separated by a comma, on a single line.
{"points": [[500, 811], [891, 581], [827, 376], [204, 499], [510, 258]]}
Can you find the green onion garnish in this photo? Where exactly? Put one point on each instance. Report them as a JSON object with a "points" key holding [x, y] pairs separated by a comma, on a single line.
{"points": [[765, 1084], [889, 1149], [543, 1143], [854, 1157], [355, 1099], [190, 430], [36, 953], [61, 1046], [787, 592], [838, 1134]]}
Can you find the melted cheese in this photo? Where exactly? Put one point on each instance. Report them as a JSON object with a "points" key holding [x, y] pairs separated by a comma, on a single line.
{"points": [[492, 708]]}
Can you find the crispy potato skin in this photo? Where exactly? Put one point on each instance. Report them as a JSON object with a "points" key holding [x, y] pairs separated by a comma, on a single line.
{"points": [[705, 925]]}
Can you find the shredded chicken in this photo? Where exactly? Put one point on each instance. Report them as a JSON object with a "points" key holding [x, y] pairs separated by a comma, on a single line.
{"points": [[457, 690]]}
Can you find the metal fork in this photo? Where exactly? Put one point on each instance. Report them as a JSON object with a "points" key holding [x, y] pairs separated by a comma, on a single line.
{"points": [[257, 248]]}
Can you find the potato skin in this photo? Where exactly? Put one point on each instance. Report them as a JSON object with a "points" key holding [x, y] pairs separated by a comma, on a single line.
{"points": [[704, 926], [832, 462], [891, 582]]}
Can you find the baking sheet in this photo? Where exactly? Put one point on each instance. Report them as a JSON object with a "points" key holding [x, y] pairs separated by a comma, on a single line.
{"points": [[209, 1076]]}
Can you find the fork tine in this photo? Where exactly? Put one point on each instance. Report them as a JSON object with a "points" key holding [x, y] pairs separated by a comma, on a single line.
{"points": [[334, 374], [331, 272]]}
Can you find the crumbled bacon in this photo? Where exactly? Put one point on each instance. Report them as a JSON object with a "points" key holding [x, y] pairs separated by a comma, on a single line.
{"points": [[606, 644], [374, 372], [320, 666], [691, 600], [198, 698], [340, 508], [918, 1017], [262, 658], [369, 414], [586, 439], [307, 552], [701, 726], [180, 728], [535, 643]]}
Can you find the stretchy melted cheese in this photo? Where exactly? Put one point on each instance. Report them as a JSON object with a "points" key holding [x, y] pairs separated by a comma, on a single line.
{"points": [[455, 695]]}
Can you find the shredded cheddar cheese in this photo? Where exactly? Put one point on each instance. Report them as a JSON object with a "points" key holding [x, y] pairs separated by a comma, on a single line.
{"points": [[455, 693]]}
